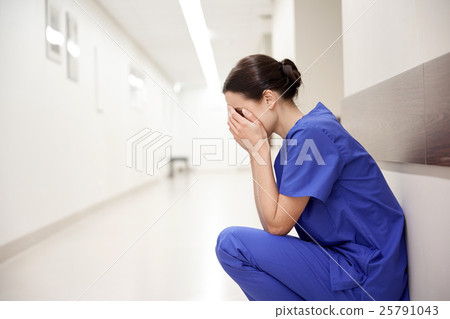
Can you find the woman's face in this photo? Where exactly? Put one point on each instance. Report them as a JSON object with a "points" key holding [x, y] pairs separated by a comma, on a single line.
{"points": [[259, 108]]}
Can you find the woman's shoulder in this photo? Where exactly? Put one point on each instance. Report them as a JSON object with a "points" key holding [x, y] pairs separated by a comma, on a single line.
{"points": [[321, 122], [317, 125]]}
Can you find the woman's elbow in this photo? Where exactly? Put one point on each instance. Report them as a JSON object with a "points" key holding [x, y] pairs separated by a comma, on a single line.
{"points": [[278, 230]]}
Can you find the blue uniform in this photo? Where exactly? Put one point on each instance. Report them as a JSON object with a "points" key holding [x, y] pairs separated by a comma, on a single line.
{"points": [[351, 243]]}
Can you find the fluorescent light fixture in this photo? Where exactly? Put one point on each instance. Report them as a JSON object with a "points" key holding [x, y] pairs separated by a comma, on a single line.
{"points": [[193, 14]]}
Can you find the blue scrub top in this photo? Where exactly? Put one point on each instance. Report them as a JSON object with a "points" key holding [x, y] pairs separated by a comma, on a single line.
{"points": [[352, 212]]}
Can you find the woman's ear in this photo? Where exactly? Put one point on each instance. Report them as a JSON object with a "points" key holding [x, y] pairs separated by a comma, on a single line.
{"points": [[269, 99]]}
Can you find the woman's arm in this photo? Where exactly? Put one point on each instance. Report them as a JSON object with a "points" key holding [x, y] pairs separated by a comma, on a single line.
{"points": [[278, 213]]}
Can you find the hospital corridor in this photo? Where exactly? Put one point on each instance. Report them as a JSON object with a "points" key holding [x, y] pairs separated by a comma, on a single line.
{"points": [[146, 148]]}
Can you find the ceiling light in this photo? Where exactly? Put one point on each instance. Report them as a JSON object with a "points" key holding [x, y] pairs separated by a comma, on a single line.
{"points": [[195, 20]]}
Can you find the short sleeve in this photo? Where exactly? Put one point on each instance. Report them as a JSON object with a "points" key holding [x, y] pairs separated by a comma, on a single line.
{"points": [[311, 164]]}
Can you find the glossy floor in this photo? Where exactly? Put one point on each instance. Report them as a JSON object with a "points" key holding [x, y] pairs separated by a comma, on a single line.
{"points": [[174, 259]]}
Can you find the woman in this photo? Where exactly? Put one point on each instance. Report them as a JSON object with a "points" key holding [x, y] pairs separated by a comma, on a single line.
{"points": [[351, 243]]}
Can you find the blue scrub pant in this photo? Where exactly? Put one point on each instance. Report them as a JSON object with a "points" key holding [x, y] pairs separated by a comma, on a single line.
{"points": [[270, 267]]}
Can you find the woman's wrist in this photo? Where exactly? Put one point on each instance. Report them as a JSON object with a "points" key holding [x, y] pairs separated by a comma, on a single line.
{"points": [[260, 154]]}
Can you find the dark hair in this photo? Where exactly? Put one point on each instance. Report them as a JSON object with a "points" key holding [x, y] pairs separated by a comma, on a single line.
{"points": [[256, 73]]}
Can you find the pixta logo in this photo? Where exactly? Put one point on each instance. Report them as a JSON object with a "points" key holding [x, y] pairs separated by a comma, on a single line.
{"points": [[215, 149], [304, 156], [146, 147]]}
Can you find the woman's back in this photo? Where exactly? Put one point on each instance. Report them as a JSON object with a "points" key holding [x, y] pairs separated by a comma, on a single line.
{"points": [[358, 220]]}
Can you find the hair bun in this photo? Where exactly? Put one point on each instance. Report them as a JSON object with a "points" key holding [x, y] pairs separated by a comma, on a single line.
{"points": [[290, 70], [293, 77]]}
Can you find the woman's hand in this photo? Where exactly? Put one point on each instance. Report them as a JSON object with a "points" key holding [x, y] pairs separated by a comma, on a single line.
{"points": [[248, 131]]}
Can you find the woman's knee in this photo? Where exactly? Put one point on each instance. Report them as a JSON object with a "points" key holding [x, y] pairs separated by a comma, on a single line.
{"points": [[229, 242], [227, 237]]}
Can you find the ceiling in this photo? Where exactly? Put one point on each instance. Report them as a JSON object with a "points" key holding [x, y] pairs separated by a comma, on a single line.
{"points": [[238, 28]]}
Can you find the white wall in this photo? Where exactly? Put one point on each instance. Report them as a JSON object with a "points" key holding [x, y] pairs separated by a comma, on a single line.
{"points": [[302, 30], [317, 25], [392, 37], [283, 30], [59, 154]]}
